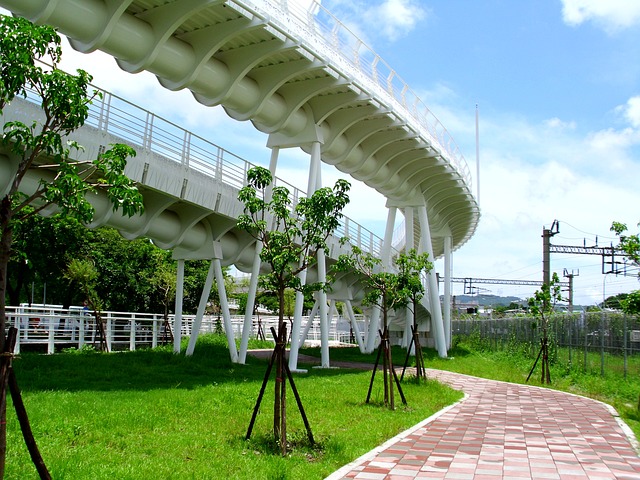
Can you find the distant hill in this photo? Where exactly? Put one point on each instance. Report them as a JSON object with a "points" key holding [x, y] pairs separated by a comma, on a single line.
{"points": [[488, 300]]}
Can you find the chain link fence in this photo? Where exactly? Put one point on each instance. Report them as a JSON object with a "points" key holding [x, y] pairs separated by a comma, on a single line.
{"points": [[594, 340]]}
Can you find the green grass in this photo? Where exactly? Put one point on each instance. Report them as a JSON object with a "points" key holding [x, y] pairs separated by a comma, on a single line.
{"points": [[153, 414]]}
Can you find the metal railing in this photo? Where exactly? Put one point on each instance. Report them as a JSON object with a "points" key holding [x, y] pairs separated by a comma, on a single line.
{"points": [[349, 54], [144, 130], [53, 328]]}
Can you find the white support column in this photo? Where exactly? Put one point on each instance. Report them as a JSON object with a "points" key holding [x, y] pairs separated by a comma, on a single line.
{"points": [[408, 245], [374, 323], [388, 236], [197, 322], [224, 306], [372, 332], [177, 320], [273, 162], [297, 325], [448, 242], [314, 169], [247, 326], [436, 311], [312, 185], [324, 320], [354, 325], [307, 327]]}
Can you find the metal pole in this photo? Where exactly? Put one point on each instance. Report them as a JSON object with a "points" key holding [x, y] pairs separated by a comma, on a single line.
{"points": [[546, 261]]}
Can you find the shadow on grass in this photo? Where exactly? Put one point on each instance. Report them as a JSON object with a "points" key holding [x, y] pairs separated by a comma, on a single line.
{"points": [[352, 354], [143, 370]]}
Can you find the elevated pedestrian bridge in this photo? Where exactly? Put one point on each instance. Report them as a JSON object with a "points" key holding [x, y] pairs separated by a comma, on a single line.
{"points": [[302, 78]]}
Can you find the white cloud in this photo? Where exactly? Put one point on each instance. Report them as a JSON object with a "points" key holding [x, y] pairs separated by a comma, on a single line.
{"points": [[390, 19], [533, 173], [557, 124], [395, 18], [612, 15], [631, 111]]}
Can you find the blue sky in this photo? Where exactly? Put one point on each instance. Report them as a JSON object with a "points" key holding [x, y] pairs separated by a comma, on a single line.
{"points": [[557, 84]]}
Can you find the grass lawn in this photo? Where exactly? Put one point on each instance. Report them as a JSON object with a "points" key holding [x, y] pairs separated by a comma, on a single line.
{"points": [[153, 414]]}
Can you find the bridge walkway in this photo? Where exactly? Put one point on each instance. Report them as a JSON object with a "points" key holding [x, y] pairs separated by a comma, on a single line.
{"points": [[301, 77]]}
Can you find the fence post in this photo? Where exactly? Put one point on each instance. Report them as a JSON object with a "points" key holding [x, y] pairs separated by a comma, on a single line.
{"points": [[132, 332], [624, 342], [569, 328], [109, 333], [602, 343], [81, 332], [51, 344], [154, 336], [586, 338], [18, 324]]}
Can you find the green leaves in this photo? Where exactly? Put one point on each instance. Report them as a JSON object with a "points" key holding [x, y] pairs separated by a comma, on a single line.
{"points": [[65, 102], [543, 302], [387, 289], [291, 236], [629, 244], [21, 43], [631, 303], [121, 190]]}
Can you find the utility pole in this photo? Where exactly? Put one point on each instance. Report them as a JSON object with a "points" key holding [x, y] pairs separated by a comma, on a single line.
{"points": [[574, 273], [547, 233]]}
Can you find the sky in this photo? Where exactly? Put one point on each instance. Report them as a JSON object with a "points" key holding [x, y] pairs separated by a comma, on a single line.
{"points": [[555, 85]]}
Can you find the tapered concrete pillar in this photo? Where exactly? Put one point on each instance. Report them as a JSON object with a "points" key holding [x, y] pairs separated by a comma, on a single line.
{"points": [[354, 325], [247, 326], [310, 318], [324, 317], [224, 307], [408, 245], [197, 322], [434, 297], [314, 182], [446, 307], [297, 325], [374, 322], [177, 319]]}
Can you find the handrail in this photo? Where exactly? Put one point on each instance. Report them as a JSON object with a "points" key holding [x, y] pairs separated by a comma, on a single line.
{"points": [[141, 128], [337, 42]]}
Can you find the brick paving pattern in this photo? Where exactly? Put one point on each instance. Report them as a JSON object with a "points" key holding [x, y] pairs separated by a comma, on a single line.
{"points": [[504, 431]]}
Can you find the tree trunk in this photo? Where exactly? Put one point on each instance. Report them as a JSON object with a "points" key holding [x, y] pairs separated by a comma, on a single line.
{"points": [[279, 403], [5, 251]]}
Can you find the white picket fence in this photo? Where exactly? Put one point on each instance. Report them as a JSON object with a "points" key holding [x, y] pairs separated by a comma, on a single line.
{"points": [[56, 328]]}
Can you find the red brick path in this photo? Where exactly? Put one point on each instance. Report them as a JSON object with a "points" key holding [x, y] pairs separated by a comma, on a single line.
{"points": [[506, 431]]}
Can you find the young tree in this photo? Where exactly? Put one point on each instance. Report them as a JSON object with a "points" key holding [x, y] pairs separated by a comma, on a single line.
{"points": [[84, 275], [411, 265], [291, 237], [630, 246], [542, 306], [65, 101], [388, 291], [164, 284], [40, 254]]}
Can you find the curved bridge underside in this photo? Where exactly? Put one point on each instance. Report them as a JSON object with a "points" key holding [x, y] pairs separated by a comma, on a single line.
{"points": [[262, 65], [290, 76]]}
